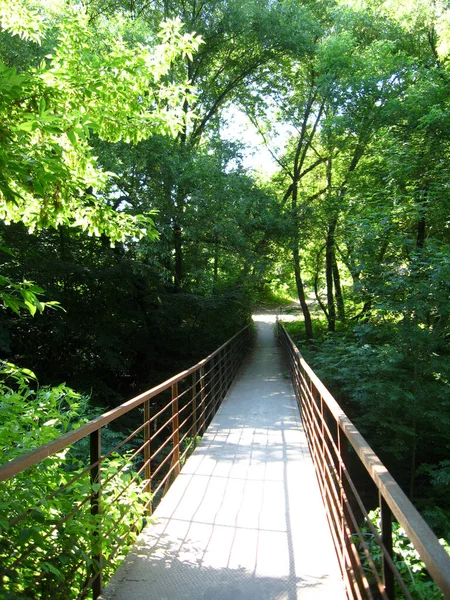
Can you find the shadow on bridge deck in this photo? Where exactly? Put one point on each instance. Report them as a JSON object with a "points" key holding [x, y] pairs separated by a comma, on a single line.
{"points": [[244, 520]]}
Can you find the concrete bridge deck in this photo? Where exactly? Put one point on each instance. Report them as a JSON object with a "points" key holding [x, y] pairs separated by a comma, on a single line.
{"points": [[244, 520]]}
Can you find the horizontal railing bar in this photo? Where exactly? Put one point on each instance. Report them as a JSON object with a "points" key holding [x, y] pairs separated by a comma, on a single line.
{"points": [[60, 490], [163, 462], [181, 425], [162, 427], [183, 408], [16, 466], [117, 521], [156, 452], [167, 475], [47, 535], [202, 394], [122, 443], [123, 536], [125, 466], [136, 478], [436, 559]]}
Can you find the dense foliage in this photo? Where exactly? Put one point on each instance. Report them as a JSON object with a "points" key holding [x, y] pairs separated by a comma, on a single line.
{"points": [[134, 239], [406, 559], [366, 196], [36, 522]]}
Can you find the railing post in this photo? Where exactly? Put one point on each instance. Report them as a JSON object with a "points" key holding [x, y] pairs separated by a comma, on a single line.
{"points": [[202, 400], [347, 529], [147, 454], [221, 376], [226, 375], [96, 542], [175, 430], [194, 405], [386, 536], [212, 386], [216, 384]]}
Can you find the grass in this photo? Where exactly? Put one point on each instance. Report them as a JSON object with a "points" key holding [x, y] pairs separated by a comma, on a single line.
{"points": [[274, 297], [296, 329]]}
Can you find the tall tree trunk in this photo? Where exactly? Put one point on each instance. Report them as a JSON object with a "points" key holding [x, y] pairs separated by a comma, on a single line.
{"points": [[178, 208], [316, 282], [413, 465], [421, 229], [216, 259], [301, 295], [178, 270], [364, 315], [338, 290], [421, 204], [297, 270], [329, 255]]}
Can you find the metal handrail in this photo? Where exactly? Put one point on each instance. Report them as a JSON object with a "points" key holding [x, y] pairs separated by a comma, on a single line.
{"points": [[155, 451], [330, 434]]}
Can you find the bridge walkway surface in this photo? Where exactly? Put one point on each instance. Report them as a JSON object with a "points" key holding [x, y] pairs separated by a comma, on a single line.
{"points": [[244, 520]]}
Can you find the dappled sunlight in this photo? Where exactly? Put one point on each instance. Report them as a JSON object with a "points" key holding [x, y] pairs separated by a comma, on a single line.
{"points": [[244, 519], [271, 318], [264, 318], [289, 317], [182, 568]]}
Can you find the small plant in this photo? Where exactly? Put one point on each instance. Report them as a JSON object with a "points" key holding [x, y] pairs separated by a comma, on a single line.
{"points": [[48, 535], [406, 559], [188, 447]]}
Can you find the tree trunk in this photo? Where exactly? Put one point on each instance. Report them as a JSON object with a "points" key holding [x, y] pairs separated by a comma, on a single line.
{"points": [[301, 295], [178, 211], [363, 316], [316, 282], [216, 260], [178, 271], [422, 220], [421, 229], [338, 290], [413, 466], [297, 271], [329, 256]]}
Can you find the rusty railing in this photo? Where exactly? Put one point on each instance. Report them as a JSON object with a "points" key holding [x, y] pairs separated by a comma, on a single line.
{"points": [[341, 456], [90, 494]]}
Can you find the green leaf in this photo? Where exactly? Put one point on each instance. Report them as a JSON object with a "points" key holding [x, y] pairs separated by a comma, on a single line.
{"points": [[72, 137], [26, 126]]}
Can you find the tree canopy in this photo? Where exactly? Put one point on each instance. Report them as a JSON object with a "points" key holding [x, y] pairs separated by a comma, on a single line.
{"points": [[125, 207]]}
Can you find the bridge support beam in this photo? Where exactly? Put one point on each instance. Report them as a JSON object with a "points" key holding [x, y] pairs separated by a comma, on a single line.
{"points": [[175, 431], [147, 454], [386, 536], [95, 476]]}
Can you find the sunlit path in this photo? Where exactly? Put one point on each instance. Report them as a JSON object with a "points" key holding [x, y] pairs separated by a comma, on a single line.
{"points": [[244, 520]]}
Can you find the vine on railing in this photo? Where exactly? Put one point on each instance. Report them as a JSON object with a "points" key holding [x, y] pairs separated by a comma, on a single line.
{"points": [[365, 551], [70, 510]]}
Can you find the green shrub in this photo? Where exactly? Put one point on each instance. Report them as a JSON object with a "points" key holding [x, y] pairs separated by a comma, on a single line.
{"points": [[48, 536], [406, 559]]}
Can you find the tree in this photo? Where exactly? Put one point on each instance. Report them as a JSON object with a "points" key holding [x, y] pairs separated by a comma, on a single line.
{"points": [[336, 101], [387, 211], [242, 43], [92, 82]]}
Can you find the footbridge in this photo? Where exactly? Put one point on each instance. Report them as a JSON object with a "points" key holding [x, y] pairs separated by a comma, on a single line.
{"points": [[240, 478]]}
